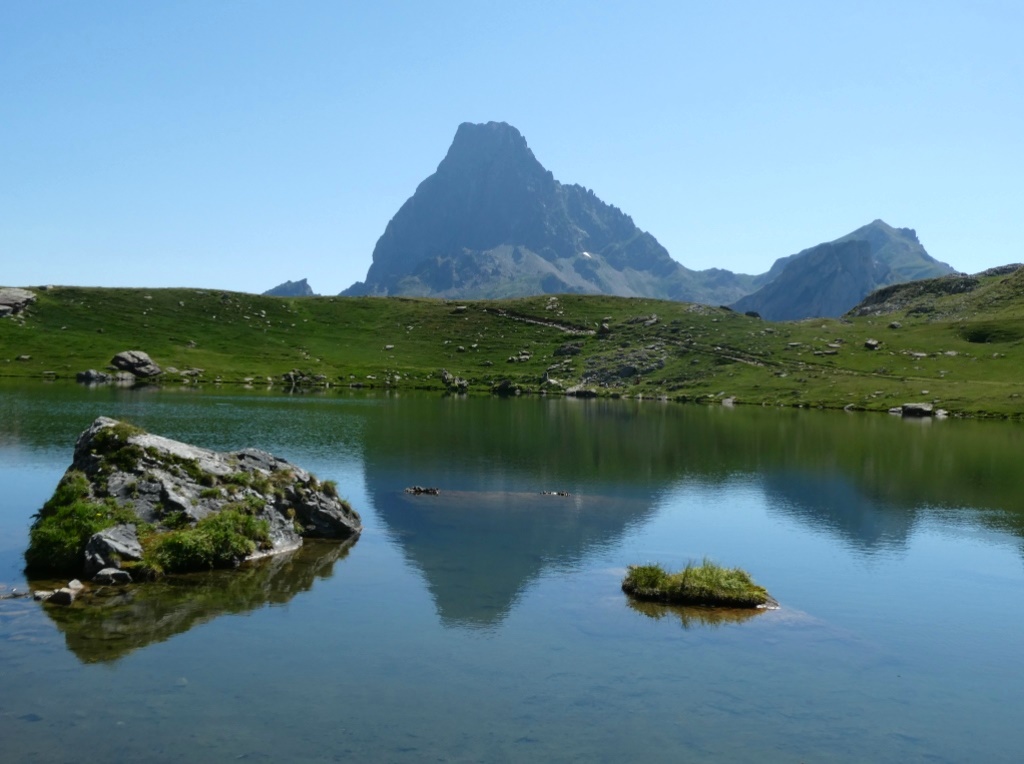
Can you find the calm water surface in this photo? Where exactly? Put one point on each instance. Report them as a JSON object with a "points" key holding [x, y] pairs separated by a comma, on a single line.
{"points": [[487, 624]]}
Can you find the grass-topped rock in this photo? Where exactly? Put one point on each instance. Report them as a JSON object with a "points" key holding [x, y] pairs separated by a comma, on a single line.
{"points": [[139, 501], [704, 584]]}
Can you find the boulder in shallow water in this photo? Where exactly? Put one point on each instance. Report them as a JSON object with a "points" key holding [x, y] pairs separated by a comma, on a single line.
{"points": [[917, 410], [200, 508], [112, 576]]}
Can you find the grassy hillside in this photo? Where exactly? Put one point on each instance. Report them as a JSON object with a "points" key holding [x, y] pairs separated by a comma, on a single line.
{"points": [[961, 350]]}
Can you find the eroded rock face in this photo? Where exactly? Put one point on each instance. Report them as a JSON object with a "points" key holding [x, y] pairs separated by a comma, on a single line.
{"points": [[137, 362], [14, 300], [109, 547], [169, 485]]}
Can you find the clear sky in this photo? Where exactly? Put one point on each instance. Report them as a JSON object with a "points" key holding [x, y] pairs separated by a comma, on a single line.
{"points": [[236, 144]]}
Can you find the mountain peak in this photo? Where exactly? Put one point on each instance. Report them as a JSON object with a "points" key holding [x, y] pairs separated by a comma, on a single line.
{"points": [[494, 150], [493, 137], [492, 222]]}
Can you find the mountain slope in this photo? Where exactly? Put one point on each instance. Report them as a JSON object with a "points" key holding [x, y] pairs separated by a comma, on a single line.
{"points": [[492, 222], [829, 279], [291, 289]]}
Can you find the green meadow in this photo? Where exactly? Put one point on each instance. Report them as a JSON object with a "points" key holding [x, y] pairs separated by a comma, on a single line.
{"points": [[961, 352]]}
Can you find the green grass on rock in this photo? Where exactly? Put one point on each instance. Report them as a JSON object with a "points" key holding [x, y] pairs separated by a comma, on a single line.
{"points": [[704, 584]]}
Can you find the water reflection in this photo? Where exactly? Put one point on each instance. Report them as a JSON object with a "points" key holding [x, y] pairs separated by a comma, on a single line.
{"points": [[832, 503], [111, 622], [865, 480], [478, 550], [691, 616]]}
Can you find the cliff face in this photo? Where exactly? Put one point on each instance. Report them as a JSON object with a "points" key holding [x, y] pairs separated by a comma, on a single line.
{"points": [[492, 222]]}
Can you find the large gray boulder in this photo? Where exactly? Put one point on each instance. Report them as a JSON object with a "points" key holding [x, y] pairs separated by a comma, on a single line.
{"points": [[14, 300], [137, 362], [137, 477]]}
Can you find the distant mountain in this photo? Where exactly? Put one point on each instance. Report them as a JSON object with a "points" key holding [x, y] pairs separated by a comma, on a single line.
{"points": [[291, 289], [829, 279], [492, 222]]}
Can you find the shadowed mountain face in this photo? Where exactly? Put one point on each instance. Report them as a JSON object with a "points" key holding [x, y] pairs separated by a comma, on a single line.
{"points": [[492, 222], [830, 279], [292, 289]]}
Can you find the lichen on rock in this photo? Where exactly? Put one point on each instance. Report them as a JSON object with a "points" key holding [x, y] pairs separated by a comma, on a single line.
{"points": [[134, 499]]}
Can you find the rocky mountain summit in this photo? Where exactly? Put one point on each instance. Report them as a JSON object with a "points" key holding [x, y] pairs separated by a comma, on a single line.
{"points": [[292, 289], [132, 500], [830, 279], [492, 222]]}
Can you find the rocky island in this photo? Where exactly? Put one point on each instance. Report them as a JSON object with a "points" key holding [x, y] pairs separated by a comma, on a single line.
{"points": [[134, 504]]}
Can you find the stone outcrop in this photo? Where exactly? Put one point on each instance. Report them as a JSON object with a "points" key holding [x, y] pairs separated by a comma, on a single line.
{"points": [[14, 300], [135, 478], [109, 547], [137, 362]]}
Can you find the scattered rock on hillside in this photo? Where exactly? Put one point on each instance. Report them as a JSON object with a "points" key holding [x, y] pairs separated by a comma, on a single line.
{"points": [[14, 300], [569, 348], [453, 383], [137, 362], [505, 387]]}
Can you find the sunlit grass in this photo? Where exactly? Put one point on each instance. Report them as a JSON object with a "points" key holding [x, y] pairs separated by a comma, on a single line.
{"points": [[704, 584], [966, 357]]}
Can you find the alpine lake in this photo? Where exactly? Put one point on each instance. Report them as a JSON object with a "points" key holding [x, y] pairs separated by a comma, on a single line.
{"points": [[487, 624]]}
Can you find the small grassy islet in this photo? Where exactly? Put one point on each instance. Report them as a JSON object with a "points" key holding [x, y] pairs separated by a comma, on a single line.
{"points": [[62, 528], [704, 584]]}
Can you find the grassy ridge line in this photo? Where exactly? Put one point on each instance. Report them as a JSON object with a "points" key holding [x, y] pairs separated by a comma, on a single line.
{"points": [[691, 352]]}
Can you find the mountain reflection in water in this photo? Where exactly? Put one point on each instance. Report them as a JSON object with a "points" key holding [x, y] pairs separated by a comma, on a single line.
{"points": [[478, 550]]}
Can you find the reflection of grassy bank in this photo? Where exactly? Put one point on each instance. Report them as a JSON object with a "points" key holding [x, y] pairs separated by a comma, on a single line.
{"points": [[705, 584], [691, 616]]}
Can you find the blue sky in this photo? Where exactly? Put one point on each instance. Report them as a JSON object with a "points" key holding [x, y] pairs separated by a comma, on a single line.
{"points": [[238, 144]]}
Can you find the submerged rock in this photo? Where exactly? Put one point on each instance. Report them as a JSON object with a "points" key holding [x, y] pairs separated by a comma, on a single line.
{"points": [[131, 498]]}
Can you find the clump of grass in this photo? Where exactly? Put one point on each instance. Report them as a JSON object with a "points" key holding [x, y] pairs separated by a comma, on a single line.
{"points": [[330, 487], [704, 584], [218, 541], [261, 482], [63, 526], [111, 444]]}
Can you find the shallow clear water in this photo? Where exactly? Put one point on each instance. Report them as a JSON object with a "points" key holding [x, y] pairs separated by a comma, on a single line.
{"points": [[487, 624]]}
